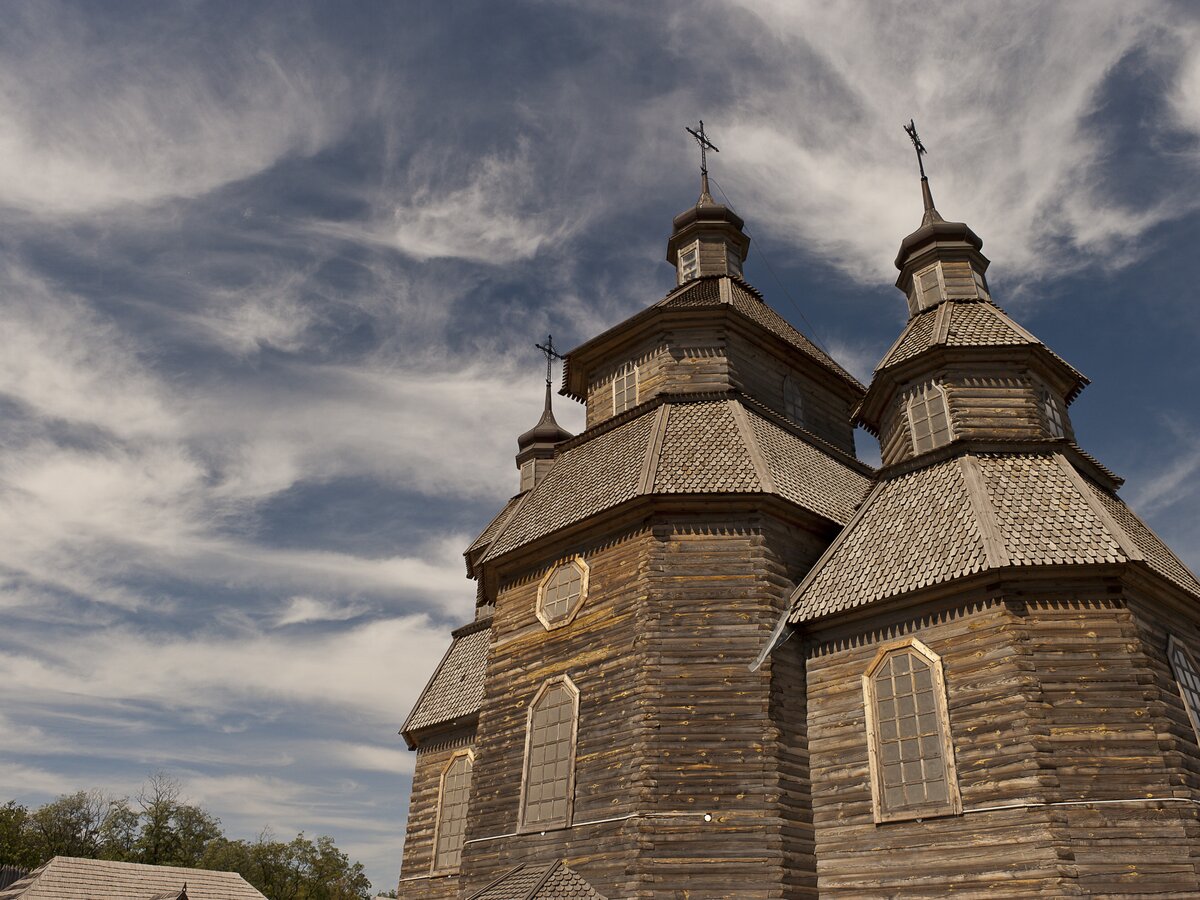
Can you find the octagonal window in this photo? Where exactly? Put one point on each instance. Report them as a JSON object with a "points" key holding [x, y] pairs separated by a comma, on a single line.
{"points": [[562, 592]]}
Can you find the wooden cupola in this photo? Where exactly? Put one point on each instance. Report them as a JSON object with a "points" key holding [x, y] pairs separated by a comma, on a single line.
{"points": [[707, 239], [536, 447]]}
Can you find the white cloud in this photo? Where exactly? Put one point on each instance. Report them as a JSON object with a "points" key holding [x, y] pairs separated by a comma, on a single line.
{"points": [[1000, 97], [89, 126]]}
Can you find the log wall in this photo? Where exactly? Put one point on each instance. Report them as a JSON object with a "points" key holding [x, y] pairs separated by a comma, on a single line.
{"points": [[432, 757]]}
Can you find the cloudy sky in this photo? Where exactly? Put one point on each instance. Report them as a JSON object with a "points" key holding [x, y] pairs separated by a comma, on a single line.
{"points": [[270, 277]]}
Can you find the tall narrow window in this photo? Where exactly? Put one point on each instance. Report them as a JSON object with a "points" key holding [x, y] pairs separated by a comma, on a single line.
{"points": [[928, 418], [928, 287], [689, 262], [733, 261], [549, 783], [980, 284], [452, 812], [1053, 415], [1188, 680], [625, 388], [908, 732], [793, 400]]}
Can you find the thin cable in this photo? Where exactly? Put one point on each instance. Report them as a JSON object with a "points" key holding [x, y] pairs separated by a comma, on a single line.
{"points": [[812, 331]]}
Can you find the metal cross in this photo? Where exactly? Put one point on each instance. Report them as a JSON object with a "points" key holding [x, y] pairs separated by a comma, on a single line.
{"points": [[551, 355], [705, 146], [911, 128]]}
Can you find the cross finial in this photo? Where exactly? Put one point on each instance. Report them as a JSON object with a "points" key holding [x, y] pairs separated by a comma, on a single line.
{"points": [[705, 146], [911, 128], [551, 355]]}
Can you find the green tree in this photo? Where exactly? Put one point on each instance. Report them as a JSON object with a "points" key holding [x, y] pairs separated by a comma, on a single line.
{"points": [[173, 833], [14, 844], [69, 826], [301, 869]]}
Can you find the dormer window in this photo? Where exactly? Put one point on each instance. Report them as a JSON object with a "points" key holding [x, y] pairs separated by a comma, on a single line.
{"points": [[625, 388], [1052, 414], [929, 419], [689, 262]]}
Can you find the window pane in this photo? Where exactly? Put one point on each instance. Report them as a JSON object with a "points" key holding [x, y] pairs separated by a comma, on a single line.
{"points": [[452, 815], [908, 735], [1188, 680], [548, 776]]}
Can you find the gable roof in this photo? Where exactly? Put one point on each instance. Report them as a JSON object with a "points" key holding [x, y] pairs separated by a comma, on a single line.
{"points": [[685, 444], [556, 881], [455, 691], [973, 512], [71, 878]]}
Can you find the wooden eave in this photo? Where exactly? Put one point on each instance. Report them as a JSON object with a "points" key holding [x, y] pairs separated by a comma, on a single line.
{"points": [[886, 382], [639, 511], [658, 319], [1099, 473], [416, 737]]}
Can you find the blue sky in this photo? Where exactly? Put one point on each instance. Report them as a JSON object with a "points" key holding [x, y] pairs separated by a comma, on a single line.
{"points": [[270, 277]]}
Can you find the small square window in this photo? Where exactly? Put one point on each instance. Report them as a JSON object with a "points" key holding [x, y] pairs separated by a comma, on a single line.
{"points": [[562, 593]]}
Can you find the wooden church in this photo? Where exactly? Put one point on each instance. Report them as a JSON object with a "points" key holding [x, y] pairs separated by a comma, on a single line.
{"points": [[715, 655]]}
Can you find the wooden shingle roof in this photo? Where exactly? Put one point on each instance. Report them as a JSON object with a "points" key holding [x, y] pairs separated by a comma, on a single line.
{"points": [[973, 512], [967, 323], [556, 881], [455, 691], [686, 444], [70, 878]]}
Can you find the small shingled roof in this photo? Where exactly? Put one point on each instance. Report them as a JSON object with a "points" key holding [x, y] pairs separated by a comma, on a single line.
{"points": [[455, 691], [974, 512], [556, 881], [686, 444], [966, 323], [71, 878]]}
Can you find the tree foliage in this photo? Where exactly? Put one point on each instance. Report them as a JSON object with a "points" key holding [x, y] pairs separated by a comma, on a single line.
{"points": [[160, 828]]}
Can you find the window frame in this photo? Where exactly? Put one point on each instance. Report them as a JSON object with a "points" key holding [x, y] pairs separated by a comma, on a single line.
{"points": [[952, 805], [434, 869], [584, 573], [523, 826], [793, 400], [1052, 415], [630, 369], [922, 394], [733, 261], [919, 291], [1193, 712], [694, 249]]}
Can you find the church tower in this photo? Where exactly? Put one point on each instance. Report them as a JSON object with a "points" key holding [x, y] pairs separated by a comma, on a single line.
{"points": [[600, 720], [1002, 693]]}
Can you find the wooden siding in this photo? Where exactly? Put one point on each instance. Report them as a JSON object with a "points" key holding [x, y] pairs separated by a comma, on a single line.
{"points": [[990, 403], [432, 757], [672, 724]]}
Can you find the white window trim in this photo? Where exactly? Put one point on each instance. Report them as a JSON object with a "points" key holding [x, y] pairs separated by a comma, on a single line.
{"points": [[693, 247], [953, 805], [920, 393], [630, 368], [584, 572], [469, 753], [574, 691], [1172, 646]]}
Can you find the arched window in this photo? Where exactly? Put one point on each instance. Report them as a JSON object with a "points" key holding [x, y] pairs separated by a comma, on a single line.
{"points": [[453, 795], [908, 733], [1052, 413], [625, 388], [548, 787], [793, 400], [1188, 679], [561, 593], [928, 418]]}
